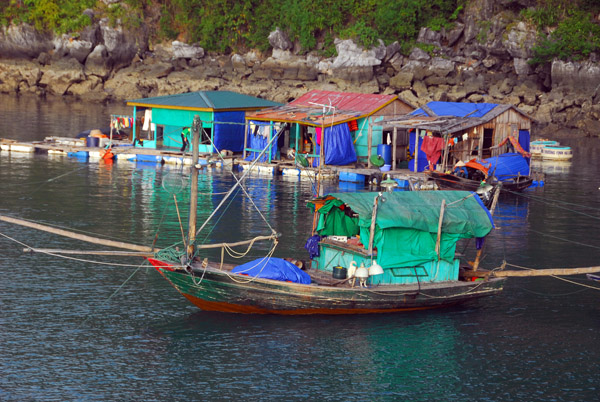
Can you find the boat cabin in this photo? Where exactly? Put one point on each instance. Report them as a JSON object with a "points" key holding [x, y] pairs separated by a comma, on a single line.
{"points": [[413, 238], [160, 121], [326, 127]]}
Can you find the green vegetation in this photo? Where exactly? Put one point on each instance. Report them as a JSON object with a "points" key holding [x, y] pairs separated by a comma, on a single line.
{"points": [[574, 33], [238, 25]]}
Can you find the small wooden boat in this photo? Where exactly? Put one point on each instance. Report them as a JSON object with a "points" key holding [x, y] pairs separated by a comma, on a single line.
{"points": [[557, 153]]}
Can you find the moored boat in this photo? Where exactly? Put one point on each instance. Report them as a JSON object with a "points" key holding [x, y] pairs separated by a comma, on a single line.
{"points": [[361, 232], [557, 153], [535, 147]]}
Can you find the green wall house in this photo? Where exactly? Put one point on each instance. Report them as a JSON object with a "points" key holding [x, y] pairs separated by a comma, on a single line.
{"points": [[160, 121]]}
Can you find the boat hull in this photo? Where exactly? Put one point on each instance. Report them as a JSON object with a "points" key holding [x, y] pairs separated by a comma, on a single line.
{"points": [[453, 182], [216, 290]]}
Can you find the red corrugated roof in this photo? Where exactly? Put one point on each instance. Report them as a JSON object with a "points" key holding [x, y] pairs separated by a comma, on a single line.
{"points": [[345, 102], [308, 109]]}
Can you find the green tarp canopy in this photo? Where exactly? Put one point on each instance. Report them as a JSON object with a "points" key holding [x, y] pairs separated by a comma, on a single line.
{"points": [[407, 223]]}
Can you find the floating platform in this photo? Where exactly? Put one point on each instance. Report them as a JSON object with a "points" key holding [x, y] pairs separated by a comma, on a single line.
{"points": [[351, 177]]}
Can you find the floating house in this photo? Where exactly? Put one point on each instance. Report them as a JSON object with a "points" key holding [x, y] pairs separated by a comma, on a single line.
{"points": [[159, 121], [463, 131], [322, 127]]}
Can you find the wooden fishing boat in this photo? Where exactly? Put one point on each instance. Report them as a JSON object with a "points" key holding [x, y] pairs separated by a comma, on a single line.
{"points": [[455, 182], [398, 249], [510, 169], [422, 274]]}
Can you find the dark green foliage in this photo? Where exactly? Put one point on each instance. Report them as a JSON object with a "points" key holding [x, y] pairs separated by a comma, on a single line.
{"points": [[574, 38], [239, 25]]}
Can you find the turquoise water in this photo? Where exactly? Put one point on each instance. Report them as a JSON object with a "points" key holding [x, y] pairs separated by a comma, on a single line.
{"points": [[77, 330]]}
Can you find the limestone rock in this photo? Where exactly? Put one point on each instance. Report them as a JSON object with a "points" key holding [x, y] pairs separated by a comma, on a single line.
{"points": [[520, 39], [280, 40], [59, 76], [402, 80], [97, 62], [429, 36], [184, 51], [582, 77], [23, 41]]}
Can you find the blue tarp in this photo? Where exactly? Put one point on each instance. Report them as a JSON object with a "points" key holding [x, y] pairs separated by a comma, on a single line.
{"points": [[260, 140], [339, 149], [229, 136], [457, 109], [273, 268], [506, 166]]}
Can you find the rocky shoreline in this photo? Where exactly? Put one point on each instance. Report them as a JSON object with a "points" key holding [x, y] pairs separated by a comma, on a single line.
{"points": [[106, 64]]}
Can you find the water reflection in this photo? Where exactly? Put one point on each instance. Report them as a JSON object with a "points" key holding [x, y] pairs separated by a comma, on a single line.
{"points": [[551, 167]]}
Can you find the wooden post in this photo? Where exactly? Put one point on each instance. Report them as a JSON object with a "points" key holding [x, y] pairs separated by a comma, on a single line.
{"points": [[394, 140], [245, 138], [369, 142], [439, 232], [416, 149], [373, 220], [322, 146], [196, 127]]}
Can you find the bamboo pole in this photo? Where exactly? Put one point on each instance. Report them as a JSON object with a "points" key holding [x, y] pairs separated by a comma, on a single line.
{"points": [[89, 252], [439, 232], [369, 141], [394, 140], [196, 127], [548, 272], [77, 236]]}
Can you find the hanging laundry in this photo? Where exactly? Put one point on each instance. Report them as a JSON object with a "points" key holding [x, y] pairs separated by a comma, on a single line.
{"points": [[147, 119]]}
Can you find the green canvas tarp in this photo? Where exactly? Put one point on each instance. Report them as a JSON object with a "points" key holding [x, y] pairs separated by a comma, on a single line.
{"points": [[407, 223]]}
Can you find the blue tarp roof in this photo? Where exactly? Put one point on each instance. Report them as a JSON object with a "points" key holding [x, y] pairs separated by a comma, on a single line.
{"points": [[457, 109]]}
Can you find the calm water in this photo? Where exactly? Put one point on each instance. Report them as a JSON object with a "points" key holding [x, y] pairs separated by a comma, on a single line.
{"points": [[78, 330]]}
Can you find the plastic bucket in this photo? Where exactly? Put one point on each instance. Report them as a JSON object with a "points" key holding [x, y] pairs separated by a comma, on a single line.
{"points": [[340, 272], [92, 142], [385, 168], [386, 153]]}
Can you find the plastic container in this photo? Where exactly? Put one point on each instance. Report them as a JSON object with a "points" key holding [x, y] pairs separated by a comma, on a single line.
{"points": [[386, 153], [340, 272], [92, 142], [385, 168]]}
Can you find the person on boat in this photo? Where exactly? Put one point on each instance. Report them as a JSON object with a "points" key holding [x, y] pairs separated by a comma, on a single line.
{"points": [[184, 138], [460, 169]]}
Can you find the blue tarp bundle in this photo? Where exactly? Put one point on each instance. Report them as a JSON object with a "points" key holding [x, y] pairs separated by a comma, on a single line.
{"points": [[507, 166], [229, 136], [273, 268], [339, 149]]}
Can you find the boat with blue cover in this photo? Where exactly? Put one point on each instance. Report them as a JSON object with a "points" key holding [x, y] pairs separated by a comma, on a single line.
{"points": [[398, 249]]}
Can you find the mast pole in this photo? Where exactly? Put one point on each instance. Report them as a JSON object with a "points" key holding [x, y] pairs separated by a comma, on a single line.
{"points": [[196, 127]]}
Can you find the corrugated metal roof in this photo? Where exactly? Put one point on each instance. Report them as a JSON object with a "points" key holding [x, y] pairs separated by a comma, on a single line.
{"points": [[204, 100], [350, 102], [309, 108]]}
